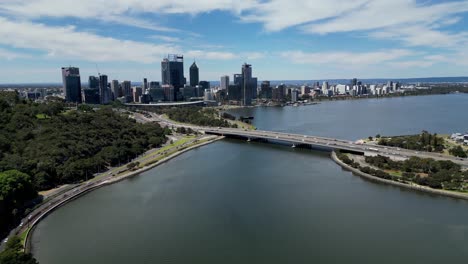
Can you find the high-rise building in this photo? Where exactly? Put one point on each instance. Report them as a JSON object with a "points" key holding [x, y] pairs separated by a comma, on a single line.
{"points": [[325, 88], [234, 92], [154, 85], [104, 94], [93, 82], [115, 90], [224, 82], [247, 84], [127, 91], [71, 84], [137, 92], [145, 84], [205, 84], [172, 72], [194, 75], [168, 92], [265, 90]]}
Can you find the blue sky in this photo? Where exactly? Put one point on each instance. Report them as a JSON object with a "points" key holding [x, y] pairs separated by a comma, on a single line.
{"points": [[282, 39]]}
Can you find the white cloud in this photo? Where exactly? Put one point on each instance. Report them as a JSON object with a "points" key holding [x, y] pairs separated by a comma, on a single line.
{"points": [[67, 42], [165, 38], [10, 55], [209, 55], [127, 12], [347, 59]]}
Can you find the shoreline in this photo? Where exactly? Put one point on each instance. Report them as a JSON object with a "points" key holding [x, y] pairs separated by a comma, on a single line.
{"points": [[412, 187], [43, 215]]}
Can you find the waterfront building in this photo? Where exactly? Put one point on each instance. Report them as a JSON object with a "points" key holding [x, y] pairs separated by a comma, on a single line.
{"points": [[265, 90], [194, 75], [234, 92], [294, 95], [172, 73], [71, 84], [249, 84], [325, 88], [305, 89], [224, 82]]}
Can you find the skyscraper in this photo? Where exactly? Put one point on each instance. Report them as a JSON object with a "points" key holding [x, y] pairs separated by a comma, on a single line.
{"points": [[145, 84], [71, 84], [194, 75], [172, 72], [93, 82], [247, 84], [104, 94], [127, 91], [115, 89], [224, 82]]}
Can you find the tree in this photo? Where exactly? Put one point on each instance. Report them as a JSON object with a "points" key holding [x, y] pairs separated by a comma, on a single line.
{"points": [[458, 151], [13, 253]]}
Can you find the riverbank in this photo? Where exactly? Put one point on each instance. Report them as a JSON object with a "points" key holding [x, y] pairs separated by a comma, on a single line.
{"points": [[411, 186], [78, 192]]}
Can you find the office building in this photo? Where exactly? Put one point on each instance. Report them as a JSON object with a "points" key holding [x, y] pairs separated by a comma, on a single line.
{"points": [[137, 92], [93, 82], [265, 90], [224, 84], [154, 85], [145, 84], [247, 84], [115, 89], [234, 92], [294, 95], [189, 92], [168, 92], [325, 88], [194, 75], [71, 84], [127, 91], [156, 94], [104, 93], [205, 84], [172, 72], [91, 96]]}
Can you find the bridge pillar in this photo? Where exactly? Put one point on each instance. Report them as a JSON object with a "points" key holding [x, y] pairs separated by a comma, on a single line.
{"points": [[248, 139], [293, 146]]}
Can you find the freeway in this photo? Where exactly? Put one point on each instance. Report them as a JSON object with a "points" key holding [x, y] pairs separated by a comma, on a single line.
{"points": [[313, 141]]}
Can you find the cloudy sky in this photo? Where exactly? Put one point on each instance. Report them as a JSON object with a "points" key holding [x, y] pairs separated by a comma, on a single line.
{"points": [[282, 39]]}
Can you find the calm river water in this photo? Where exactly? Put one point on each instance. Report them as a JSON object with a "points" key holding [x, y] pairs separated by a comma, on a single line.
{"points": [[239, 202]]}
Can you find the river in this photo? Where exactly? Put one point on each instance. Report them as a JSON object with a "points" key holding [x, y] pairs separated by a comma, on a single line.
{"points": [[239, 202]]}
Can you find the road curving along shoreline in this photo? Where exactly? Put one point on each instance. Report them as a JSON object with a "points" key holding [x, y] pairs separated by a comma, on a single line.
{"points": [[78, 194]]}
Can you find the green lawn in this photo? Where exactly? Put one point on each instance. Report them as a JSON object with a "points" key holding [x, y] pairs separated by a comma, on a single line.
{"points": [[42, 116]]}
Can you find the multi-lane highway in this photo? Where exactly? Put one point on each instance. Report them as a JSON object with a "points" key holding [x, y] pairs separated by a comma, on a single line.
{"points": [[314, 141]]}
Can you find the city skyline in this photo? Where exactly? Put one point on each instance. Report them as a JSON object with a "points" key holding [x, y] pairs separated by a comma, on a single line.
{"points": [[314, 40]]}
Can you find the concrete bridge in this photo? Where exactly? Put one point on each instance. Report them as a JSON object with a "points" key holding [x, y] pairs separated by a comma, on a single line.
{"points": [[314, 142]]}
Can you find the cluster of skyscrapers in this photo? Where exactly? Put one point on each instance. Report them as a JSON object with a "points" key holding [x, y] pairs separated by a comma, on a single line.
{"points": [[174, 87]]}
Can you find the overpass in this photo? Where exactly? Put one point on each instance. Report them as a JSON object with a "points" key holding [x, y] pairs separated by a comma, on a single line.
{"points": [[314, 142]]}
